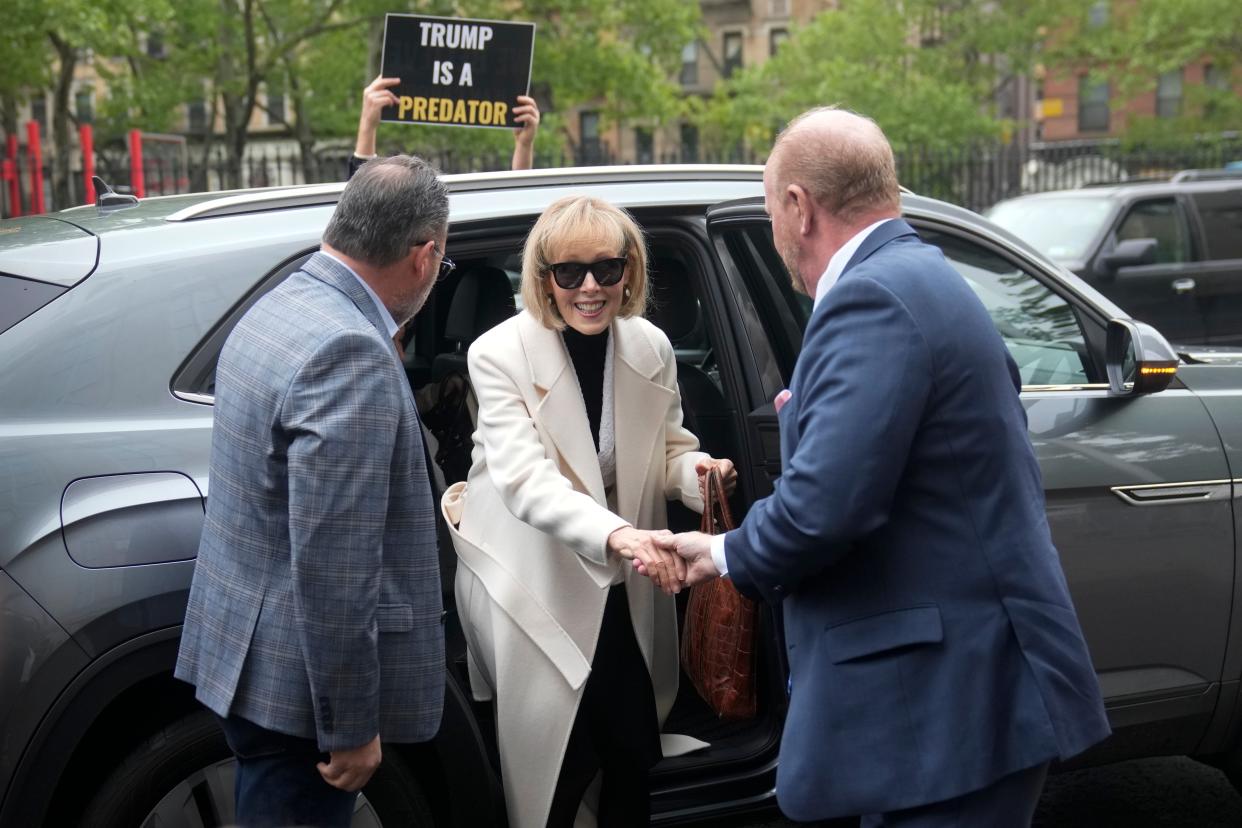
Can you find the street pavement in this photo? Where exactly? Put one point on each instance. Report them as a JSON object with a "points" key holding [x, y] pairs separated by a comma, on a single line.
{"points": [[1173, 792]]}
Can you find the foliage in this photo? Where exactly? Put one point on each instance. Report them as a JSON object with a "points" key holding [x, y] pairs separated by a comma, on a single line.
{"points": [[927, 71], [1140, 41]]}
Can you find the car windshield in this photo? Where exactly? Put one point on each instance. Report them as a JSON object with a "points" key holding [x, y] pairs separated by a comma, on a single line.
{"points": [[1060, 228]]}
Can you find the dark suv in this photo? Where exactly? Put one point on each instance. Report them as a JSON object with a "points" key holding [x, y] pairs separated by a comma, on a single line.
{"points": [[1168, 252], [111, 321]]}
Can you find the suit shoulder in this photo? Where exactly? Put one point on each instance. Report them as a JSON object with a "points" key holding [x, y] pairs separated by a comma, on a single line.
{"points": [[498, 338]]}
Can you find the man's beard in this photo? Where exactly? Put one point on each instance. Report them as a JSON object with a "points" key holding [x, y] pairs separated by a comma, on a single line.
{"points": [[789, 256], [409, 306]]}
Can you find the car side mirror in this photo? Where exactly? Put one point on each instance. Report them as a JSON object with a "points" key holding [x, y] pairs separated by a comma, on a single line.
{"points": [[1130, 253], [1139, 360]]}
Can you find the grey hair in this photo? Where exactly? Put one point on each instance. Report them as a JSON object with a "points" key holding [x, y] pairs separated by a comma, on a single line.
{"points": [[389, 205]]}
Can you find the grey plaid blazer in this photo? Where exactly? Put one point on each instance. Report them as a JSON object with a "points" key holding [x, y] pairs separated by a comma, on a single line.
{"points": [[315, 605]]}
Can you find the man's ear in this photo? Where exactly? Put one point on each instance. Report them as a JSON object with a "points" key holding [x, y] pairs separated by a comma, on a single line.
{"points": [[802, 206]]}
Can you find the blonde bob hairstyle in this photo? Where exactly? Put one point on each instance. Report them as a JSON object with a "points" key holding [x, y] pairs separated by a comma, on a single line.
{"points": [[581, 220]]}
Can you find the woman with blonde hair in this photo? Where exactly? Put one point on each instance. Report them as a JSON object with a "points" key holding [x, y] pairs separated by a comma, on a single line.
{"points": [[578, 448]]}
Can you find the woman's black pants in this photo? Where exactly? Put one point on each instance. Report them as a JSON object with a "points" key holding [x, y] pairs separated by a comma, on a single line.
{"points": [[616, 730]]}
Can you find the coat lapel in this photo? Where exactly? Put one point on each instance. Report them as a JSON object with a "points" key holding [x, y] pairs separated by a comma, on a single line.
{"points": [[561, 413], [640, 402]]}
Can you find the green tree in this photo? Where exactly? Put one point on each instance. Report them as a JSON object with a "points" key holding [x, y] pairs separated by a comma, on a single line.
{"points": [[1140, 41], [929, 72]]}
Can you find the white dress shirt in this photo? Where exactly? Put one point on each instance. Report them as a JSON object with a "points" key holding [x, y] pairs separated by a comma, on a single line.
{"points": [[836, 266], [390, 324]]}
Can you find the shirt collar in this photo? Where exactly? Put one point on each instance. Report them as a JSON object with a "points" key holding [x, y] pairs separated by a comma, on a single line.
{"points": [[390, 324], [836, 265]]}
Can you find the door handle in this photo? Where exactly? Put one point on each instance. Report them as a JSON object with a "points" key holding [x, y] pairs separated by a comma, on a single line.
{"points": [[1164, 494], [1185, 285]]}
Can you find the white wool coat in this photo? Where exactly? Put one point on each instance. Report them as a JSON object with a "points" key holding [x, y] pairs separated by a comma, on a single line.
{"points": [[530, 527]]}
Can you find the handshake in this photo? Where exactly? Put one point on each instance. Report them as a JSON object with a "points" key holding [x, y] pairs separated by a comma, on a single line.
{"points": [[673, 561]]}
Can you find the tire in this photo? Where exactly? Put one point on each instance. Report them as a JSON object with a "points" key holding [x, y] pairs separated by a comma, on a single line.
{"points": [[182, 776]]}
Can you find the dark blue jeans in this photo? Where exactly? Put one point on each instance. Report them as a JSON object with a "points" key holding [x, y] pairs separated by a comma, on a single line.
{"points": [[278, 783]]}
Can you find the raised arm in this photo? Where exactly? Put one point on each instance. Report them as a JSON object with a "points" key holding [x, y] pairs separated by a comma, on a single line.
{"points": [[527, 114]]}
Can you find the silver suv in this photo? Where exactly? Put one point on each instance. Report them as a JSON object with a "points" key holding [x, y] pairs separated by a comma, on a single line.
{"points": [[111, 319]]}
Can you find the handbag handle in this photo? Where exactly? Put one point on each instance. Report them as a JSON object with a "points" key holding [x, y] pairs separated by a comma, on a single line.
{"points": [[716, 514]]}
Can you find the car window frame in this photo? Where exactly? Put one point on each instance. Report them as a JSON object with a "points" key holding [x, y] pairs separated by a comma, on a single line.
{"points": [[1189, 221]]}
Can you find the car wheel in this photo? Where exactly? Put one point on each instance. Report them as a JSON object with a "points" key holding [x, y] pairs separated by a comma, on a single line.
{"points": [[182, 777]]}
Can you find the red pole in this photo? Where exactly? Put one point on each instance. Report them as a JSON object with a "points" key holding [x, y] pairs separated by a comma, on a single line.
{"points": [[15, 186], [137, 181], [34, 150], [86, 137]]}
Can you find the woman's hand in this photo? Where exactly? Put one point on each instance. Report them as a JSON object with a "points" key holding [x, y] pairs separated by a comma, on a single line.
{"points": [[728, 474], [665, 569]]}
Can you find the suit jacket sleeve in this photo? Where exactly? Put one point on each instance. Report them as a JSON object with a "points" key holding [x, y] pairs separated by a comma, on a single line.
{"points": [[528, 482], [863, 380], [681, 447], [340, 416]]}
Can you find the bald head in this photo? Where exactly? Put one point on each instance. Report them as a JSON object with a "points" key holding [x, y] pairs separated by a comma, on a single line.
{"points": [[842, 160]]}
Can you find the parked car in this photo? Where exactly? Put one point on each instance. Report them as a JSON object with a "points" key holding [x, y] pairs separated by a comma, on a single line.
{"points": [[1168, 252], [111, 321]]}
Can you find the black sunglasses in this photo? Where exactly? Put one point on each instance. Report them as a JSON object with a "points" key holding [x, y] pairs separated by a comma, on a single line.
{"points": [[446, 264], [571, 275]]}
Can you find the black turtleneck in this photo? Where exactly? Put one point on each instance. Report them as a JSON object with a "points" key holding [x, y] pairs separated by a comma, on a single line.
{"points": [[587, 353]]}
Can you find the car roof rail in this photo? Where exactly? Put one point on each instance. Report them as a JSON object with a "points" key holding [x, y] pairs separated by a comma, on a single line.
{"points": [[1221, 174], [312, 195]]}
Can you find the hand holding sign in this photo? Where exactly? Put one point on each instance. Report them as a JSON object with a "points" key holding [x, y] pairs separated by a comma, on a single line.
{"points": [[375, 97]]}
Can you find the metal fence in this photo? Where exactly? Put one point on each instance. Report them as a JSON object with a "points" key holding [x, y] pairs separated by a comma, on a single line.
{"points": [[974, 177]]}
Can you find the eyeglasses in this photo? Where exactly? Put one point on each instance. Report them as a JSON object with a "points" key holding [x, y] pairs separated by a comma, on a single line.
{"points": [[571, 275], [446, 264]]}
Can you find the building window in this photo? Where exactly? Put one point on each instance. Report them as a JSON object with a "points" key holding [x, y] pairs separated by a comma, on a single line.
{"points": [[644, 146], [588, 126], [1097, 15], [732, 53], [690, 63], [155, 44], [689, 143], [84, 105], [38, 111], [1169, 94], [196, 116], [776, 39], [1092, 105], [778, 8], [275, 104]]}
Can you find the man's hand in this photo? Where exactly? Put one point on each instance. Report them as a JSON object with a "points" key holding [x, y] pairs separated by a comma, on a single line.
{"points": [[375, 97], [728, 474], [695, 548], [665, 569], [525, 113], [351, 769]]}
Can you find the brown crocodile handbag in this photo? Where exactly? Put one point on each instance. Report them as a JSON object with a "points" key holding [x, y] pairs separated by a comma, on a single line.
{"points": [[718, 637]]}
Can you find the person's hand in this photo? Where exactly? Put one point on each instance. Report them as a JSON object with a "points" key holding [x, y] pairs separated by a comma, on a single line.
{"points": [[375, 97], [662, 566], [525, 113], [351, 769], [695, 548], [728, 474]]}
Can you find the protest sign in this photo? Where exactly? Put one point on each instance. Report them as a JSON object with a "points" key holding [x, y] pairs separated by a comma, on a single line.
{"points": [[456, 71]]}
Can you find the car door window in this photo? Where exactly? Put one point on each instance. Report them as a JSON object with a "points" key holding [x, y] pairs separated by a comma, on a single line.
{"points": [[1163, 220], [1040, 329], [1221, 214]]}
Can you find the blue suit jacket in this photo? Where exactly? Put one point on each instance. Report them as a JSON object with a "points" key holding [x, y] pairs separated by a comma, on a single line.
{"points": [[932, 644], [315, 604]]}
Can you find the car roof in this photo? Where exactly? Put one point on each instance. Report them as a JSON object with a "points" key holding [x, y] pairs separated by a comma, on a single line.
{"points": [[1127, 190]]}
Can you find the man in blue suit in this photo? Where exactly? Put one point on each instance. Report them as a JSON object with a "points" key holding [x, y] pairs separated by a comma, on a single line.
{"points": [[937, 664], [313, 626]]}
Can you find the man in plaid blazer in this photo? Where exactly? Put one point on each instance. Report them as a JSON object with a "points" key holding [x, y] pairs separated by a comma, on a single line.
{"points": [[313, 628]]}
